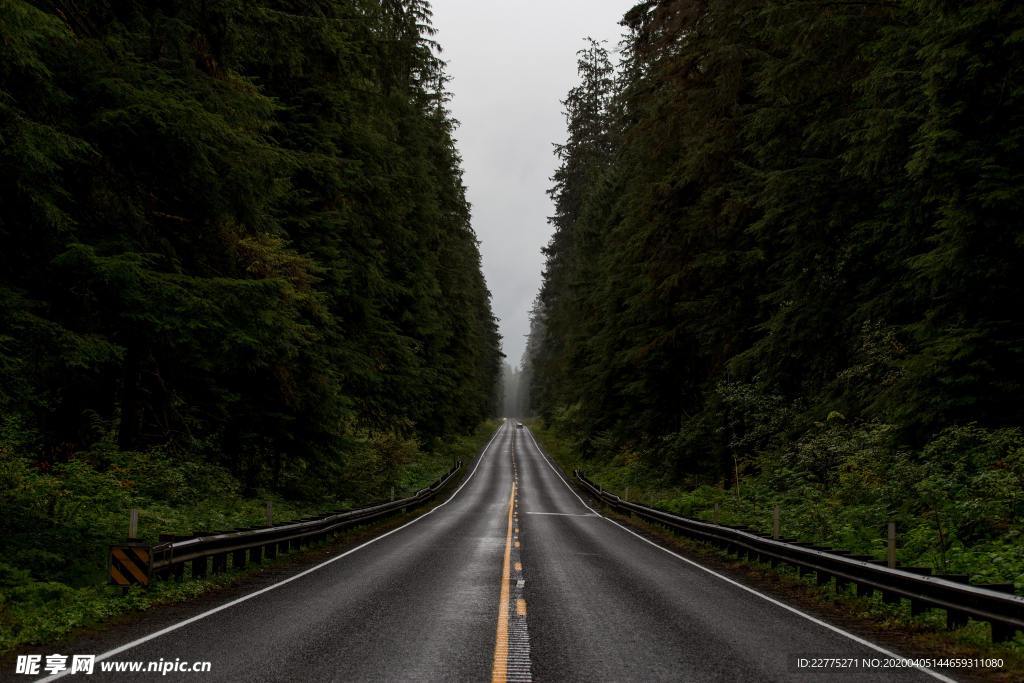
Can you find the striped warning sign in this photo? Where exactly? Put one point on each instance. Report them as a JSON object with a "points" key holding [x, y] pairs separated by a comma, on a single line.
{"points": [[129, 564]]}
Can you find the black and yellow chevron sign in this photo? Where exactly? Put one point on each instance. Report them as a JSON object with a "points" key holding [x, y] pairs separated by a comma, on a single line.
{"points": [[129, 564]]}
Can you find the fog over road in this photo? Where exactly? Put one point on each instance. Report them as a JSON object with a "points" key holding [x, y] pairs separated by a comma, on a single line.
{"points": [[513, 578]]}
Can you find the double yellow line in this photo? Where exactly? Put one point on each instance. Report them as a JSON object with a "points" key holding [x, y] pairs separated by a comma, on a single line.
{"points": [[499, 671]]}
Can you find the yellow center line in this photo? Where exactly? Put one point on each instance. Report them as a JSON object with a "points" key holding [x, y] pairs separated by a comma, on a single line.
{"points": [[499, 671], [521, 607]]}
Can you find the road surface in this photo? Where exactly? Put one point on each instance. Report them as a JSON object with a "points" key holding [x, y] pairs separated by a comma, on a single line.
{"points": [[513, 578]]}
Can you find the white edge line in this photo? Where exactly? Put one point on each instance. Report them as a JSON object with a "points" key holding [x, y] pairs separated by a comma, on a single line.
{"points": [[249, 596], [819, 622]]}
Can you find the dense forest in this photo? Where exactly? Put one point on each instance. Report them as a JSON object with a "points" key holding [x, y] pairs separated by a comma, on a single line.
{"points": [[235, 258], [788, 249], [233, 226]]}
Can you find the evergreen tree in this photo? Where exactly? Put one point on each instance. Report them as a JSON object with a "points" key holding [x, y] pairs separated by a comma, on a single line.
{"points": [[785, 210], [235, 229]]}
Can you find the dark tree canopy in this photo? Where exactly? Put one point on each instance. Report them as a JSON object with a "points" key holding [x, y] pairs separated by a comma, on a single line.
{"points": [[778, 211], [236, 229]]}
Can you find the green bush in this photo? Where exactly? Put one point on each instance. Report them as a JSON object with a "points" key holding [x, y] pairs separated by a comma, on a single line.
{"points": [[56, 523], [958, 502]]}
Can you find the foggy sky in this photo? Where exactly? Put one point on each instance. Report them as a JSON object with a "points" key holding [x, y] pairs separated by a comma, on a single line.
{"points": [[511, 63]]}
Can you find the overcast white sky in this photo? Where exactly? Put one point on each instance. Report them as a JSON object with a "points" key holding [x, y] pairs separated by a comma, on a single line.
{"points": [[511, 62]]}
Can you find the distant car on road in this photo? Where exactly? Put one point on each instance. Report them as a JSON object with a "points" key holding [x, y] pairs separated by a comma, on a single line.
{"points": [[519, 425]]}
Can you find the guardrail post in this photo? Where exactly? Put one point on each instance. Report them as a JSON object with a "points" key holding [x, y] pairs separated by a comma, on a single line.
{"points": [[955, 620], [133, 523], [256, 554], [179, 572], [715, 516], [220, 563], [775, 523], [891, 550], [238, 559], [1001, 633], [271, 550], [199, 568]]}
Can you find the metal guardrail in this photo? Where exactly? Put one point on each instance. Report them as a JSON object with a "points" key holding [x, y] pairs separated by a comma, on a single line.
{"points": [[211, 550], [994, 603]]}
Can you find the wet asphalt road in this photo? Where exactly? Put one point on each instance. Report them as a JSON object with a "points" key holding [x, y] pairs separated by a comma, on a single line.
{"points": [[596, 603], [606, 605]]}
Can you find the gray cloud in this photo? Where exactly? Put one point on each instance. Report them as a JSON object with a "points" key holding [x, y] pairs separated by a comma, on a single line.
{"points": [[511, 63]]}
